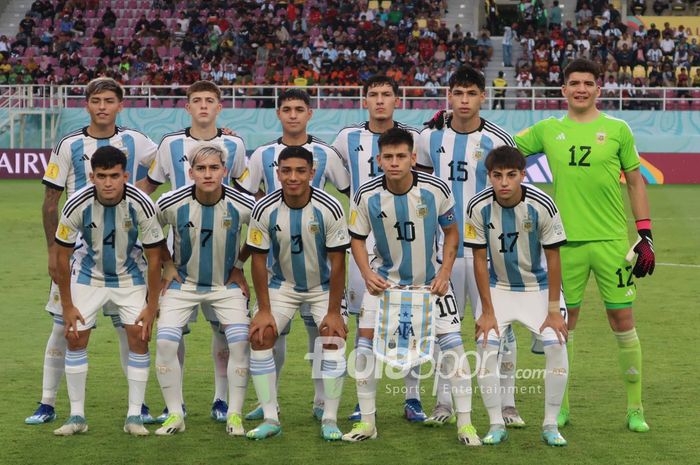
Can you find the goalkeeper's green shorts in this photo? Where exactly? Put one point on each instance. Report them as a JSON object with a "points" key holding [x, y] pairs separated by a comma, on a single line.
{"points": [[612, 272]]}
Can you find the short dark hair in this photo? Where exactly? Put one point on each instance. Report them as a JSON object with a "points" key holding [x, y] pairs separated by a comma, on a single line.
{"points": [[395, 136], [107, 157], [505, 157], [380, 80], [103, 84], [296, 151], [582, 65], [293, 94], [467, 76], [204, 86]]}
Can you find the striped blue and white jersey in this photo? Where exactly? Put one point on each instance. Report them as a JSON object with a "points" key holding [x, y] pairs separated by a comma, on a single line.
{"points": [[107, 256], [358, 148], [299, 239], [262, 167], [172, 160], [515, 237], [458, 159], [405, 227], [69, 166], [206, 237]]}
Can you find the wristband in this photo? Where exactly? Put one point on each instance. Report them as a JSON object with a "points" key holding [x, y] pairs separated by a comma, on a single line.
{"points": [[553, 307], [643, 224], [239, 264]]}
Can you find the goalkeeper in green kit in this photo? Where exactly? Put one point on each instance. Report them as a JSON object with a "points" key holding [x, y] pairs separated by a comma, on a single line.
{"points": [[586, 150]]}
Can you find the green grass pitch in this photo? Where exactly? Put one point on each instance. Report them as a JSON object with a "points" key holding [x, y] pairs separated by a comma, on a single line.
{"points": [[666, 314]]}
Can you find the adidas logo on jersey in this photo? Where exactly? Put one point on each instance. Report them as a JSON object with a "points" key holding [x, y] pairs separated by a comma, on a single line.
{"points": [[277, 228], [85, 157], [441, 150], [561, 136], [359, 148], [183, 159], [91, 225], [272, 165], [381, 215], [189, 224], [455, 321], [491, 226]]}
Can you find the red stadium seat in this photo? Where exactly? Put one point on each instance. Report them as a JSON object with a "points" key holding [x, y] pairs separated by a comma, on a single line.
{"points": [[682, 105], [552, 104], [695, 105], [539, 104], [522, 104]]}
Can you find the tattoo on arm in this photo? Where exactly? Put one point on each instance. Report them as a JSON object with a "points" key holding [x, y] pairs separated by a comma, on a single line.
{"points": [[49, 213]]}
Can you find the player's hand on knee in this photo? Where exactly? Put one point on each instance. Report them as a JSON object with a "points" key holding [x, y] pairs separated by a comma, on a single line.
{"points": [[261, 324], [485, 324], [375, 283], [646, 259], [146, 318], [71, 316], [555, 320], [333, 325]]}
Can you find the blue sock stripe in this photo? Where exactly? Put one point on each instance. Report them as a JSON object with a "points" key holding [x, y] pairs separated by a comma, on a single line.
{"points": [[262, 367], [364, 343], [549, 343], [169, 334], [333, 368], [139, 360], [236, 333], [449, 340], [510, 335], [76, 357], [493, 342], [58, 320]]}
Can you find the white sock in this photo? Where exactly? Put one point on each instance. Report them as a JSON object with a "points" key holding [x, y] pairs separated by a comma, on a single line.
{"points": [[333, 368], [442, 385], [365, 380], [262, 370], [312, 333], [279, 352], [488, 379], [220, 354], [54, 362], [455, 367], [76, 376], [556, 374], [412, 383], [168, 368], [181, 362], [123, 343], [237, 367], [509, 358], [137, 376]]}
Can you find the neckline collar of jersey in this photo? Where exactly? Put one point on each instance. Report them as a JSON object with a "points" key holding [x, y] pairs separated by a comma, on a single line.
{"points": [[94, 192], [479, 129], [396, 125], [593, 121], [309, 139], [188, 133], [523, 188], [413, 184], [194, 196], [86, 134], [311, 194]]}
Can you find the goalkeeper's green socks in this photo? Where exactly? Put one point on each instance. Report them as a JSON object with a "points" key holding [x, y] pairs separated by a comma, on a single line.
{"points": [[631, 366]]}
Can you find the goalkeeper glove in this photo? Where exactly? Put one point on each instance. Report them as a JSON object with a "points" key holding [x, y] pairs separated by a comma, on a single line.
{"points": [[644, 248], [439, 120]]}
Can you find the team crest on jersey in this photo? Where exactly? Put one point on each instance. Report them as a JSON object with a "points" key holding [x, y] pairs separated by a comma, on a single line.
{"points": [[227, 221], [128, 224], [314, 227], [421, 210], [527, 224], [478, 153], [600, 137]]}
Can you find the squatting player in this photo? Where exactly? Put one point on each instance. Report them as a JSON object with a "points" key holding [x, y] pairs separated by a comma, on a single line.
{"points": [[455, 153], [68, 170], [171, 164], [357, 145], [405, 210], [108, 216], [511, 226], [294, 112], [586, 150], [303, 230], [206, 220]]}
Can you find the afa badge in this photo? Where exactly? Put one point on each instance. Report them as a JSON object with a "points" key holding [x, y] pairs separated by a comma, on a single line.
{"points": [[128, 224], [527, 224], [601, 137], [52, 171], [226, 222], [314, 227], [255, 236], [421, 210], [478, 153]]}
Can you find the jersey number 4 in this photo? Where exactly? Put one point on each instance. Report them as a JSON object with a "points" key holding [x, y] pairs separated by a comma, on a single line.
{"points": [[584, 152]]}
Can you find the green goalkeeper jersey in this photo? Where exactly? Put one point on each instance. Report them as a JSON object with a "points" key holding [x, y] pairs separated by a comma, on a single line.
{"points": [[586, 160]]}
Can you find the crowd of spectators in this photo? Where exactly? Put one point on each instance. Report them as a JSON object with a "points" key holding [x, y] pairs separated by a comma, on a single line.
{"points": [[631, 59], [315, 42]]}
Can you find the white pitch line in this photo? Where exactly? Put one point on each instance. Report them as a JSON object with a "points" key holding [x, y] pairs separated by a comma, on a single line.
{"points": [[679, 265]]}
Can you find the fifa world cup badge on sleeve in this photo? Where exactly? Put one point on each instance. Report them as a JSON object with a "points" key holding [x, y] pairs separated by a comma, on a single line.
{"points": [[52, 171], [63, 231], [405, 327], [256, 237]]}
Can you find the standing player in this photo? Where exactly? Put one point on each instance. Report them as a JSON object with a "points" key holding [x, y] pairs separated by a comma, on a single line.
{"points": [[68, 170], [294, 112], [357, 145], [456, 154], [108, 216], [206, 220], [172, 164], [406, 210], [305, 230], [586, 151], [516, 224]]}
